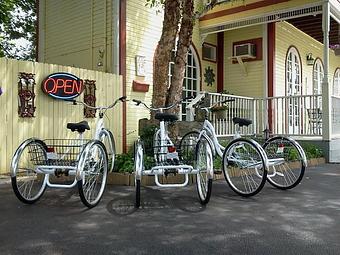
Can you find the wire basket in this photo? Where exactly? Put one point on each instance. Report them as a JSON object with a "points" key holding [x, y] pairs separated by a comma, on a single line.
{"points": [[165, 153], [60, 152]]}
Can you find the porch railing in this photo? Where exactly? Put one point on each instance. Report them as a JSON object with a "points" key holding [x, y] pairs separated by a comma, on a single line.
{"points": [[288, 115]]}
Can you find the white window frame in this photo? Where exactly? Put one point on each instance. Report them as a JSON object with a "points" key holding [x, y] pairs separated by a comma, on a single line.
{"points": [[189, 81], [336, 83]]}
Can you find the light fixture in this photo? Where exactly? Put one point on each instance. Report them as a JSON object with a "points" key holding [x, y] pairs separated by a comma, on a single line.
{"points": [[310, 59]]}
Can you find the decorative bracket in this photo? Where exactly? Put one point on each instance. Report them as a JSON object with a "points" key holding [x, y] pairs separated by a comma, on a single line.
{"points": [[89, 98], [26, 95]]}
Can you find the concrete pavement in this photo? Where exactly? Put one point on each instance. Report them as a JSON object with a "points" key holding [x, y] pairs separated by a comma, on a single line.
{"points": [[305, 220]]}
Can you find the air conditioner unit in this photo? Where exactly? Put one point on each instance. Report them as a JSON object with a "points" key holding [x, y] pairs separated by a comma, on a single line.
{"points": [[245, 50]]}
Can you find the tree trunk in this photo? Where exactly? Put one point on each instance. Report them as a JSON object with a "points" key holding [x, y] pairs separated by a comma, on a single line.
{"points": [[183, 44], [163, 52]]}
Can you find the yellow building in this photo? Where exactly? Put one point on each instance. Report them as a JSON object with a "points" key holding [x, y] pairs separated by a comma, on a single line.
{"points": [[253, 48]]}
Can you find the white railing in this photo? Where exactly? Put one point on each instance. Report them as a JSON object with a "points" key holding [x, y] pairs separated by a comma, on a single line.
{"points": [[286, 115], [290, 115]]}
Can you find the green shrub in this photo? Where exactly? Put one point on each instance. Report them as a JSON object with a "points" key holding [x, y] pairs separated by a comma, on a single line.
{"points": [[312, 151]]}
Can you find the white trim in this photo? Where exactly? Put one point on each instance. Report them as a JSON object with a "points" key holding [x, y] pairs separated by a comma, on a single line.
{"points": [[281, 15], [335, 10]]}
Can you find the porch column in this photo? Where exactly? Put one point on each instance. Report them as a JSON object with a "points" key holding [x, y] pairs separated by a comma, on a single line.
{"points": [[326, 96]]}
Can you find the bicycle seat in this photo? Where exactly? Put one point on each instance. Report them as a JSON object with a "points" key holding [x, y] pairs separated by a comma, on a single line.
{"points": [[79, 127], [161, 116], [242, 122]]}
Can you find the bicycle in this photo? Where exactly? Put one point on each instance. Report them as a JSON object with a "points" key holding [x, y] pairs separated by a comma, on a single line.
{"points": [[244, 161], [286, 158], [35, 160], [166, 160]]}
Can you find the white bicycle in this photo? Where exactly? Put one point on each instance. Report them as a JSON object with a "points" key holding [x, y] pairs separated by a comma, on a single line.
{"points": [[166, 160], [244, 162], [88, 161]]}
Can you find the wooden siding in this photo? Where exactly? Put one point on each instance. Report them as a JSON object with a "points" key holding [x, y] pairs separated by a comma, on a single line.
{"points": [[287, 35], [51, 115], [240, 15], [235, 81], [72, 33]]}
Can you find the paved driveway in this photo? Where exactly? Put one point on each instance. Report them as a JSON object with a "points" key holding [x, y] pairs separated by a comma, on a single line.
{"points": [[305, 220]]}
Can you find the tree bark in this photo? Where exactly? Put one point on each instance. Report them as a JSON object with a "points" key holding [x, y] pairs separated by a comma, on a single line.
{"points": [[172, 16], [183, 44]]}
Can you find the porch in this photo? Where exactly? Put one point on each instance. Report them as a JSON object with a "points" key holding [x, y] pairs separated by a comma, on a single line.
{"points": [[298, 116]]}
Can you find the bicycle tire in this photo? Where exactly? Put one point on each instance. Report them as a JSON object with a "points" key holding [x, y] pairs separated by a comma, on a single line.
{"points": [[187, 147], [287, 162], [92, 169], [245, 166], [138, 167], [204, 165], [28, 185]]}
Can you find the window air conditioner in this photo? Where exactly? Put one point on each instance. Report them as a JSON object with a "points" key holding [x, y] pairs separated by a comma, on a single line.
{"points": [[246, 50]]}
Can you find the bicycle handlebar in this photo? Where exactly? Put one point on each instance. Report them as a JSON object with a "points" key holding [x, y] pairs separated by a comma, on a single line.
{"points": [[138, 102], [75, 102]]}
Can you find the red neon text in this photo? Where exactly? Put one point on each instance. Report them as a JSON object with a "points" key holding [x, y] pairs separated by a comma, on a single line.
{"points": [[67, 87]]}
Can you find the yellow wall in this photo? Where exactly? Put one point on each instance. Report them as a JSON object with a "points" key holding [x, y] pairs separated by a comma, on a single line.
{"points": [[51, 115], [286, 36], [73, 32], [235, 81]]}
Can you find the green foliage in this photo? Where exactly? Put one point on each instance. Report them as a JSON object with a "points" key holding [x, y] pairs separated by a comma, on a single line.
{"points": [[124, 163], [18, 21], [147, 135], [312, 151]]}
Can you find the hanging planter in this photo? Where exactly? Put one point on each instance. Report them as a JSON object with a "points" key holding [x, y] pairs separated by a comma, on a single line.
{"points": [[220, 111]]}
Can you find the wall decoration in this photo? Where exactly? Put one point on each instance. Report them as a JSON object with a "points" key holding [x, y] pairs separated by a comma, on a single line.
{"points": [[140, 66], [90, 98], [62, 86], [209, 76], [26, 95]]}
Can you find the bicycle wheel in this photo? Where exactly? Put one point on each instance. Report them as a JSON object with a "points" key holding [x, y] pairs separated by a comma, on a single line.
{"points": [[106, 137], [204, 166], [187, 147], [138, 165], [28, 184], [92, 173], [287, 162], [245, 166]]}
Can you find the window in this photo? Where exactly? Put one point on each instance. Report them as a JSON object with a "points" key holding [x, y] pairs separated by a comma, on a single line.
{"points": [[191, 82], [317, 81], [336, 83], [209, 52], [293, 88]]}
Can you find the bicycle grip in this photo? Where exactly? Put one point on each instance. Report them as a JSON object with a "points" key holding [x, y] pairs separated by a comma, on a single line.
{"points": [[122, 99], [138, 102]]}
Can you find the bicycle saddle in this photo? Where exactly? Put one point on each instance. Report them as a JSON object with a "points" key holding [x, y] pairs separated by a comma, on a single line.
{"points": [[79, 127], [165, 116], [242, 122]]}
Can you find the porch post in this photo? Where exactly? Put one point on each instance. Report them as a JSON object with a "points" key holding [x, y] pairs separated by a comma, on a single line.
{"points": [[326, 96]]}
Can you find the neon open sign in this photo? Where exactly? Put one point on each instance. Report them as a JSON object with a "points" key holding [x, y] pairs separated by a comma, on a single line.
{"points": [[63, 86]]}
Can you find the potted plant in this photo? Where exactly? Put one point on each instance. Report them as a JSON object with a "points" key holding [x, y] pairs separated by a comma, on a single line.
{"points": [[220, 111]]}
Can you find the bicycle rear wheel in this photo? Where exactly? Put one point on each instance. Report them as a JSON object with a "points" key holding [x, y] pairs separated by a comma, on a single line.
{"points": [[245, 166], [28, 184], [92, 173], [287, 162], [204, 165], [187, 147]]}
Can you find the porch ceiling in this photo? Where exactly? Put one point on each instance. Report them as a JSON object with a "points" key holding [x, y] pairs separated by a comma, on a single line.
{"points": [[312, 25]]}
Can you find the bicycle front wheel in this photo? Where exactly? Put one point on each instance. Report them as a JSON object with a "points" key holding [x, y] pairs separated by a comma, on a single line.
{"points": [[287, 162], [245, 166], [27, 181], [138, 167], [204, 166], [187, 147], [92, 173]]}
